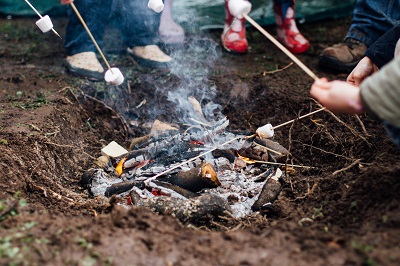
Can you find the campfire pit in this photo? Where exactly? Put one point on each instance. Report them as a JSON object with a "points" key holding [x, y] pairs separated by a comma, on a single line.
{"points": [[239, 178]]}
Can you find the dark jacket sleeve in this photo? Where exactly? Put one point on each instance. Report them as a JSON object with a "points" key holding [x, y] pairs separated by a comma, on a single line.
{"points": [[382, 51]]}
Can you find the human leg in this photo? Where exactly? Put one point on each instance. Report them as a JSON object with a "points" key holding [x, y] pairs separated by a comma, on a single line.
{"points": [[234, 34], [371, 19], [170, 31], [81, 59], [287, 31], [139, 27]]}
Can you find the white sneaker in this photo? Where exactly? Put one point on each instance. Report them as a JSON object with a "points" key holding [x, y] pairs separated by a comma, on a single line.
{"points": [[85, 64], [150, 56]]}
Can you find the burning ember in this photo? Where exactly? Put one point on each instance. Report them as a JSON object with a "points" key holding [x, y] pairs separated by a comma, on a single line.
{"points": [[238, 178]]}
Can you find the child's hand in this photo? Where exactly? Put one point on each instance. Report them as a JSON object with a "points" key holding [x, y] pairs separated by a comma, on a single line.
{"points": [[337, 96], [364, 69]]}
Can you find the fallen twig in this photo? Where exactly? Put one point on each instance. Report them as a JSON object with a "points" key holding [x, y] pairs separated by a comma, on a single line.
{"points": [[347, 167], [122, 119], [352, 130], [328, 152], [362, 125], [9, 208], [277, 70]]}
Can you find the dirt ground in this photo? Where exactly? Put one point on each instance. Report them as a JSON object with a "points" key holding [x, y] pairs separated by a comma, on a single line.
{"points": [[344, 211]]}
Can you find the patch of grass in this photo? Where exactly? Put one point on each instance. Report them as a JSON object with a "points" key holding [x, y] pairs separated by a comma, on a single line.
{"points": [[361, 247], [21, 100]]}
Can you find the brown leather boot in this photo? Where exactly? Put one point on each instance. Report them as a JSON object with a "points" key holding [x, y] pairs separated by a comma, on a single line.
{"points": [[342, 57]]}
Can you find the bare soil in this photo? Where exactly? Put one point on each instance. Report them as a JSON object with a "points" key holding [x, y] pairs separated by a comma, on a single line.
{"points": [[344, 211]]}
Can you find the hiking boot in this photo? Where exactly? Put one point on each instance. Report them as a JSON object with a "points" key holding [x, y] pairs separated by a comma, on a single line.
{"points": [[234, 34], [287, 31], [86, 65], [343, 57], [170, 32], [150, 56]]}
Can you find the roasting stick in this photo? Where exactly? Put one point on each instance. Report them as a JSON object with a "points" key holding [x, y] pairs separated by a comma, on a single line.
{"points": [[91, 36], [280, 46], [40, 16], [303, 116]]}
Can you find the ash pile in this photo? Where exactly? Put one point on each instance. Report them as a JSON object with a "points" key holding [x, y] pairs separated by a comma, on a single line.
{"points": [[195, 173]]}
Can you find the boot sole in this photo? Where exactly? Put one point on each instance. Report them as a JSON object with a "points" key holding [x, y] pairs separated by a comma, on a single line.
{"points": [[83, 73], [332, 63]]}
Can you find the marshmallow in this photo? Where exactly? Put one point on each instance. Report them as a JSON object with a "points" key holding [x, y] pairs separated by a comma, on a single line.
{"points": [[156, 5], [44, 24], [266, 131], [114, 76], [239, 7]]}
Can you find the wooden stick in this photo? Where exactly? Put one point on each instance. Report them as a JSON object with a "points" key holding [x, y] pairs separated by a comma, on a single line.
{"points": [[90, 35], [283, 164], [40, 16], [280, 46], [293, 120]]}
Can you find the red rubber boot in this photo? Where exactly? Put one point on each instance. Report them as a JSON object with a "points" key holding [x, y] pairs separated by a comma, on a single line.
{"points": [[287, 32], [234, 35]]}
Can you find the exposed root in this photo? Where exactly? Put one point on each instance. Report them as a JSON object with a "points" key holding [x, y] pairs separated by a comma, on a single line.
{"points": [[347, 167], [328, 152]]}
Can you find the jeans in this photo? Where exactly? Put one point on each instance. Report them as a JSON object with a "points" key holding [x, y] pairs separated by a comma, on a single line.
{"points": [[372, 18], [138, 23], [285, 4], [393, 132]]}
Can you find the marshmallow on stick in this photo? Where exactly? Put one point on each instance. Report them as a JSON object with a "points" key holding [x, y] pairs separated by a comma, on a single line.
{"points": [[44, 23], [156, 5], [114, 76], [239, 7], [267, 131]]}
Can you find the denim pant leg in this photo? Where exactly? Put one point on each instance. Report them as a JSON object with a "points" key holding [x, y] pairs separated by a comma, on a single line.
{"points": [[285, 5], [96, 15], [372, 18], [393, 132], [138, 23]]}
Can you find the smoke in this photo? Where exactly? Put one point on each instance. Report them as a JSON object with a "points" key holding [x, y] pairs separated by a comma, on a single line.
{"points": [[193, 66]]}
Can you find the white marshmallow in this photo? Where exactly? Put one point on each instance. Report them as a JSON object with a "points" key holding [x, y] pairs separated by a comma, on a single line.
{"points": [[114, 76], [266, 131], [239, 7], [44, 24], [156, 5]]}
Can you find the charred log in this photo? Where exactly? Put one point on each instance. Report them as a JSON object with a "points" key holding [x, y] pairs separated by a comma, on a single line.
{"points": [[123, 187], [184, 192], [206, 207], [195, 179], [269, 192], [229, 154]]}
